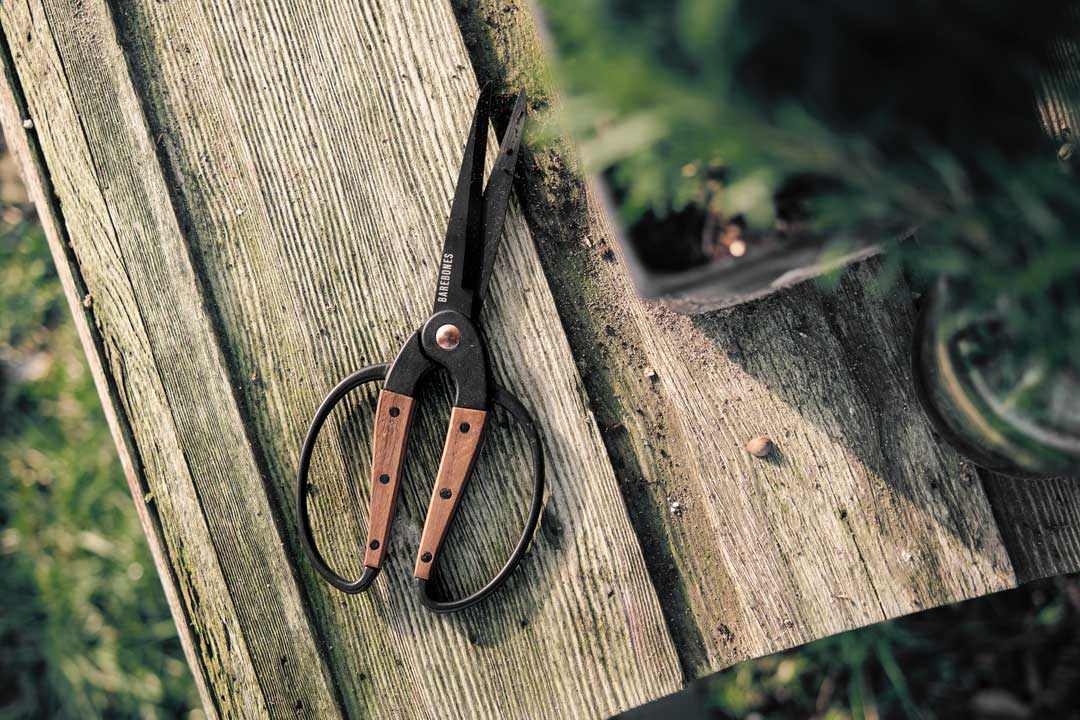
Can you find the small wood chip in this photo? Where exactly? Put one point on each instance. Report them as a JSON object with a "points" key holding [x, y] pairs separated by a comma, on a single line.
{"points": [[759, 446], [28, 124]]}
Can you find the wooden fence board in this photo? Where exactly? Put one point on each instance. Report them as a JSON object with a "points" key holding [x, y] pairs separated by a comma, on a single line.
{"points": [[162, 359]]}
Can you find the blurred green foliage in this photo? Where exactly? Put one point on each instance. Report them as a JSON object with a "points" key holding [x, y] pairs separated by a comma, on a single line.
{"points": [[1009, 656], [847, 119], [85, 630]]}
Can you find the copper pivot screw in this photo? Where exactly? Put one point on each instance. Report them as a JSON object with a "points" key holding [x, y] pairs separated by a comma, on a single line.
{"points": [[448, 337]]}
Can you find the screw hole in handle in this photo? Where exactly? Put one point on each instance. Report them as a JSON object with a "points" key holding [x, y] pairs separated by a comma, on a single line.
{"points": [[371, 373], [511, 404]]}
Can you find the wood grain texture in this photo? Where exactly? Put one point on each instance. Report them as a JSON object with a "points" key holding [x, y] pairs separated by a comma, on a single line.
{"points": [[393, 419], [463, 438], [1040, 523], [24, 147], [255, 195], [1059, 94], [246, 202], [161, 360], [864, 514], [861, 515]]}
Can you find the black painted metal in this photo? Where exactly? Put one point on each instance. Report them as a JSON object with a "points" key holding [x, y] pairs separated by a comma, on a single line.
{"points": [[409, 367], [467, 363], [502, 398], [472, 237], [497, 195], [458, 266]]}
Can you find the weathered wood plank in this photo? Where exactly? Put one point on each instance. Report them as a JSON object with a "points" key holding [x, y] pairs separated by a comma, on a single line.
{"points": [[1059, 94], [862, 515], [255, 196], [24, 147], [1040, 523], [867, 516], [163, 362]]}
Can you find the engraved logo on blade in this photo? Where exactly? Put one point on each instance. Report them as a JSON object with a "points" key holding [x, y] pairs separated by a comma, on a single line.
{"points": [[444, 277]]}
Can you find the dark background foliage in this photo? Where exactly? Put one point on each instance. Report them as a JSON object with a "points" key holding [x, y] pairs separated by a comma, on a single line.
{"points": [[1008, 656], [846, 121]]}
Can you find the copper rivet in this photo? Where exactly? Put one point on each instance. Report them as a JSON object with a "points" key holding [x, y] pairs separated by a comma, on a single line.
{"points": [[448, 337]]}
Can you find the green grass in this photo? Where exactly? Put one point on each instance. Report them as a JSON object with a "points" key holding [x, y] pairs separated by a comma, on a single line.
{"points": [[84, 627]]}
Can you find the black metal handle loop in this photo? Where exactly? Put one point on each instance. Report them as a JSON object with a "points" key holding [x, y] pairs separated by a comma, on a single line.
{"points": [[508, 402], [372, 373], [369, 374]]}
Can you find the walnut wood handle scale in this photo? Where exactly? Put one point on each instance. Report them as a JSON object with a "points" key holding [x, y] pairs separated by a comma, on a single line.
{"points": [[393, 416], [463, 439]]}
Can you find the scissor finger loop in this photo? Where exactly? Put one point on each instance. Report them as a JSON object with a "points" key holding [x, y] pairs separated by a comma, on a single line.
{"points": [[303, 488]]}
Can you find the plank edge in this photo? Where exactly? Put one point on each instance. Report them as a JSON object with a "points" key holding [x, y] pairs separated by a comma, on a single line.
{"points": [[35, 176]]}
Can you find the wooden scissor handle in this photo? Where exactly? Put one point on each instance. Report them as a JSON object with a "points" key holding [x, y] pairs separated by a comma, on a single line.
{"points": [[457, 462], [393, 418], [463, 440]]}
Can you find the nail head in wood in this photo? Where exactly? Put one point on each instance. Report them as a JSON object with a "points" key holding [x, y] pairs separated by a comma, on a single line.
{"points": [[759, 446]]}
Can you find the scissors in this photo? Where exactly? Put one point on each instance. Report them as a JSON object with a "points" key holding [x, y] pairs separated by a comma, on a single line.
{"points": [[450, 339]]}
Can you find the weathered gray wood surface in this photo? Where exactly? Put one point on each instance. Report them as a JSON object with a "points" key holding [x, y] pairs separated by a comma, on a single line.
{"points": [[863, 496], [254, 199], [245, 202], [1040, 523]]}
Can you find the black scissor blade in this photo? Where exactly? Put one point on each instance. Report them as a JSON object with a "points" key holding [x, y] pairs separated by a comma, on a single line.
{"points": [[456, 283], [497, 193]]}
